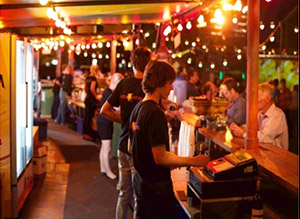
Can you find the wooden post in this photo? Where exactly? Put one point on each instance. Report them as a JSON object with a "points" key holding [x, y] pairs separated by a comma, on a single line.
{"points": [[113, 59], [251, 141]]}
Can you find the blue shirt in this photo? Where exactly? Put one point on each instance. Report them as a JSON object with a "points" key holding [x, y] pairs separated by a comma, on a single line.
{"points": [[236, 111]]}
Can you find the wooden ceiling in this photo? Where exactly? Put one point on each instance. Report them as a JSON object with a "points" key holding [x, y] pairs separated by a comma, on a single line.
{"points": [[29, 13]]}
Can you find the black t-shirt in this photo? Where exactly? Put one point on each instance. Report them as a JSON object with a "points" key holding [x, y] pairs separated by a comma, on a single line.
{"points": [[148, 128], [56, 87], [126, 95], [105, 95], [88, 82], [67, 80]]}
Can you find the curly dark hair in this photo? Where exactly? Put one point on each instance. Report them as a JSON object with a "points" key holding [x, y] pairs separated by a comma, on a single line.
{"points": [[157, 74], [140, 58]]}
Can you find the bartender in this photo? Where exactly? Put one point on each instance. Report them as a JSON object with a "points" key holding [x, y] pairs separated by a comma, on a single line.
{"points": [[150, 147]]}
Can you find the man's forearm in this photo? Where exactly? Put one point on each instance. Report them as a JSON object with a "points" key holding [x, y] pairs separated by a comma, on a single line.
{"points": [[108, 111]]}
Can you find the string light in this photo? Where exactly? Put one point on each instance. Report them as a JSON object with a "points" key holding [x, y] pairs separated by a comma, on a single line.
{"points": [[261, 26], [272, 25], [188, 25], [296, 29], [100, 56], [212, 65], [43, 2], [100, 45], [225, 63], [239, 57], [85, 54], [147, 34], [264, 47], [107, 44], [272, 39], [179, 27], [234, 20], [200, 65]]}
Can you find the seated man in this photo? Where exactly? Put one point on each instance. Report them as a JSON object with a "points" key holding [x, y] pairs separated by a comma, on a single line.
{"points": [[236, 112], [272, 126], [210, 90], [191, 90]]}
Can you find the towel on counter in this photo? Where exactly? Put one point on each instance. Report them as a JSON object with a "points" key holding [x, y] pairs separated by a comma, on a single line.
{"points": [[186, 143]]}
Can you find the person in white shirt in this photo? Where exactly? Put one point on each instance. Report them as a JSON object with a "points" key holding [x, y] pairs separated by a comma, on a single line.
{"points": [[272, 125]]}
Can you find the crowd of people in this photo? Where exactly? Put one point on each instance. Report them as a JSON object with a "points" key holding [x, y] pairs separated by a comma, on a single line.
{"points": [[139, 103]]}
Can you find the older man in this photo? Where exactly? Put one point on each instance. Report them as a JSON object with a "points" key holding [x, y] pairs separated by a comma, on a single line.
{"points": [[272, 125]]}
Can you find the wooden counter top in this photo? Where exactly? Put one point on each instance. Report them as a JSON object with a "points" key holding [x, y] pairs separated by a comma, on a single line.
{"points": [[218, 137], [278, 164]]}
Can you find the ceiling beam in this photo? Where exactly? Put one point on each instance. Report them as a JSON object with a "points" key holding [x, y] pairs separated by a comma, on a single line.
{"points": [[89, 3]]}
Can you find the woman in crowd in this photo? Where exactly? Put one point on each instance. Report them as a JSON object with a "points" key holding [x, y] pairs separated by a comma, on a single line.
{"points": [[91, 102], [105, 129]]}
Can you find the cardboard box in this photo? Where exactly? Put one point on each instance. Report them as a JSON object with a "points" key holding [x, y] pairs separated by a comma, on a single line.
{"points": [[40, 161]]}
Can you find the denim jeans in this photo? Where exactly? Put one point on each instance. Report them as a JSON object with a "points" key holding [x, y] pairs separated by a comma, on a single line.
{"points": [[126, 195], [63, 97]]}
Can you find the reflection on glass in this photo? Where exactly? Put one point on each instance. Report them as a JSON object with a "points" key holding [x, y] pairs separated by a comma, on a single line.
{"points": [[20, 107], [29, 76]]}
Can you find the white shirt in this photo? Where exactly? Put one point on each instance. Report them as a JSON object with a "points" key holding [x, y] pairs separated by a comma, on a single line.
{"points": [[272, 127]]}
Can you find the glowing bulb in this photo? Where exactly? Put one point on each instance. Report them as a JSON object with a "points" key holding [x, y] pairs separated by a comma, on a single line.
{"points": [[100, 44], [272, 39], [200, 65], [272, 25], [108, 44], [264, 47], [186, 43], [100, 56], [107, 56], [94, 46], [234, 20], [62, 43], [72, 47], [212, 66], [188, 25], [179, 27], [88, 46], [261, 26], [94, 55], [245, 9], [153, 45], [85, 54], [225, 63], [193, 44], [189, 61], [200, 19], [43, 2], [296, 30], [147, 34], [173, 56], [239, 57], [82, 47]]}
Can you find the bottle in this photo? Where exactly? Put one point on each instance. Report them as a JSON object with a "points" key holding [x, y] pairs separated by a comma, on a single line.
{"points": [[257, 203]]}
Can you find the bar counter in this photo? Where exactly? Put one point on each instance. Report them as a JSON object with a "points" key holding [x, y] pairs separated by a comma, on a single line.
{"points": [[278, 164]]}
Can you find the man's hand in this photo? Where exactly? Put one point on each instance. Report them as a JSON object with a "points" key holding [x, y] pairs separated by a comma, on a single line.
{"points": [[236, 130], [201, 160]]}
